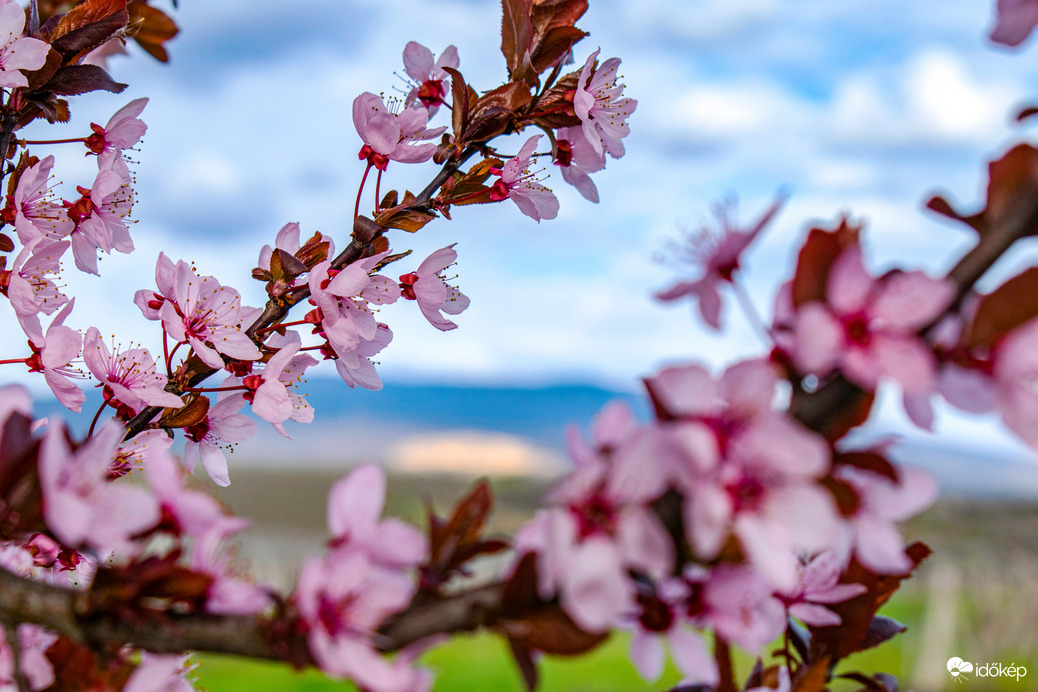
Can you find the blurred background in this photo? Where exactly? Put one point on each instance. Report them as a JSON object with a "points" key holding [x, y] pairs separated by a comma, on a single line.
{"points": [[854, 108]]}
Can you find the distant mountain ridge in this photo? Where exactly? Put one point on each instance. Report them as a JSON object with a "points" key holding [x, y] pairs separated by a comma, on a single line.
{"points": [[540, 414]]}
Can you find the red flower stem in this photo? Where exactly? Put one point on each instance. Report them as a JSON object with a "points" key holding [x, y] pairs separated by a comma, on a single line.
{"points": [[206, 390], [378, 193], [165, 353], [311, 348], [54, 141], [14, 360], [169, 361], [90, 431], [356, 207]]}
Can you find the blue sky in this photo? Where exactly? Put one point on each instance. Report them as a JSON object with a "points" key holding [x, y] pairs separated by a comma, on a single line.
{"points": [[864, 108]]}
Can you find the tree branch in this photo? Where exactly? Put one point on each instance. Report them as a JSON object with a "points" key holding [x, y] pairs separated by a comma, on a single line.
{"points": [[68, 612]]}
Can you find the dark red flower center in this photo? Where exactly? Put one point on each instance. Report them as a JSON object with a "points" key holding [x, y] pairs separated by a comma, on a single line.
{"points": [[596, 515], [563, 153], [746, 493], [407, 282], [499, 191], [431, 92], [856, 327], [379, 161], [655, 615], [198, 431], [82, 208]]}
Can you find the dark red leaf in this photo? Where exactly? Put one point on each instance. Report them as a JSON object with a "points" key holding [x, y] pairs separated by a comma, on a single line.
{"points": [[869, 461], [1004, 309], [857, 614], [880, 630], [193, 413], [1026, 113], [516, 31], [73, 80], [288, 266], [85, 13], [151, 29], [1012, 196], [87, 37], [817, 255], [556, 43]]}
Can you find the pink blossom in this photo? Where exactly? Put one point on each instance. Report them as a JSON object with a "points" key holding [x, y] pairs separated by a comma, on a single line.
{"points": [[33, 641], [518, 184], [428, 77], [882, 503], [14, 399], [344, 599], [193, 512], [149, 301], [123, 130], [664, 617], [601, 526], [971, 389], [129, 376], [715, 255], [1015, 375], [339, 296], [603, 114], [818, 583], [867, 327], [269, 390], [33, 210], [355, 366], [1016, 20], [222, 427], [354, 509], [17, 52], [392, 136], [431, 290], [576, 157], [745, 469], [30, 288], [207, 316], [160, 673], [100, 216], [80, 506], [740, 606], [229, 593], [52, 354]]}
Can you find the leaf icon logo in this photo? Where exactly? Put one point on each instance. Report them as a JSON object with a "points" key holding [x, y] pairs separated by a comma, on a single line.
{"points": [[957, 667]]}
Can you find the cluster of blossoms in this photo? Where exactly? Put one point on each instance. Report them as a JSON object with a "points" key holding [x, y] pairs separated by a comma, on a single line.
{"points": [[76, 522], [736, 511], [763, 537]]}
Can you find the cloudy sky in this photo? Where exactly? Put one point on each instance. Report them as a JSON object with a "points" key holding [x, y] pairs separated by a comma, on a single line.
{"points": [[861, 108]]}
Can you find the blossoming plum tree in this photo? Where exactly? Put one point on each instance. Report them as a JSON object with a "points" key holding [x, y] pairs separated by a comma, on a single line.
{"points": [[736, 516]]}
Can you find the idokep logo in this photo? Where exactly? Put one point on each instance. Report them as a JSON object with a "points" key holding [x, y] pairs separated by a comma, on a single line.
{"points": [[959, 669]]}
